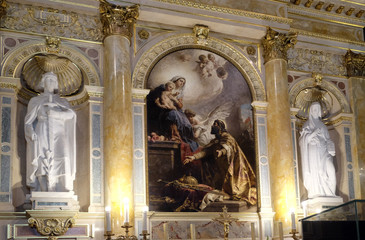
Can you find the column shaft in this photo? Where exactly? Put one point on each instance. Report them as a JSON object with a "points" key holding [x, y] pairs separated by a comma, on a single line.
{"points": [[280, 139], [118, 140]]}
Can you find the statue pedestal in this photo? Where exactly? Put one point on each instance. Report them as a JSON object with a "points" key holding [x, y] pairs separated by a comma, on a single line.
{"points": [[319, 204], [54, 201]]}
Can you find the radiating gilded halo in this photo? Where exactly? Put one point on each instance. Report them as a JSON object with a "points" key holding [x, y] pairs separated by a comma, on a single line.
{"points": [[309, 95], [69, 75]]}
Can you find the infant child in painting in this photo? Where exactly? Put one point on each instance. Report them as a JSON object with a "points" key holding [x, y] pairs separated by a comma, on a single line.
{"points": [[167, 98]]}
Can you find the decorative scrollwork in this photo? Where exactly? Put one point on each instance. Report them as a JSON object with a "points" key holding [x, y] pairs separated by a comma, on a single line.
{"points": [[355, 63], [53, 44], [51, 226], [277, 44], [117, 19]]}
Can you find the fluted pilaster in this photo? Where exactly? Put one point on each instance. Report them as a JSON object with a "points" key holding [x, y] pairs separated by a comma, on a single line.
{"points": [[278, 117], [118, 133]]}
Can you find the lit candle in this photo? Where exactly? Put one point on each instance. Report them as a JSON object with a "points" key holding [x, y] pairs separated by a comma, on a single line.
{"points": [[293, 221], [192, 231], [126, 210], [253, 232], [165, 232], [144, 218], [281, 235], [108, 219]]}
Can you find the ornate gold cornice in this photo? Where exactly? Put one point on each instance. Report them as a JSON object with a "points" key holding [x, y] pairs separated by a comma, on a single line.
{"points": [[117, 19], [277, 44], [328, 37], [3, 7], [229, 11], [355, 64]]}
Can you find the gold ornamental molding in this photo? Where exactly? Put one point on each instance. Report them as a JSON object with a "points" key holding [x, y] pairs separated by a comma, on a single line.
{"points": [[328, 37], [231, 11], [201, 33], [355, 64], [117, 19], [51, 223], [147, 61], [276, 44]]}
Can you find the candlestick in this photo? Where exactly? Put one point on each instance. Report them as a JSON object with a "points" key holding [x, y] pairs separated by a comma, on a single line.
{"points": [[281, 234], [108, 219], [293, 221], [144, 218], [253, 232], [126, 210], [165, 232], [192, 231]]}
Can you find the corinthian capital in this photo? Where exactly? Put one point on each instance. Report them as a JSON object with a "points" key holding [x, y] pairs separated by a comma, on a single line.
{"points": [[277, 44], [118, 19], [3, 7], [355, 64]]}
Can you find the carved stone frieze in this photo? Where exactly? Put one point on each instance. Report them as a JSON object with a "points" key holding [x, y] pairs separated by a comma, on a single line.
{"points": [[355, 64], [51, 22], [117, 19], [277, 44], [311, 60]]}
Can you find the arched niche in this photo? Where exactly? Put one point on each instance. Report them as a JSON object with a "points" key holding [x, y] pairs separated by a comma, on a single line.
{"points": [[340, 102]]}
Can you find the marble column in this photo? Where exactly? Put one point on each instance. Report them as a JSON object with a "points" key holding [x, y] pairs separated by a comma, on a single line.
{"points": [[280, 143], [118, 128], [356, 72]]}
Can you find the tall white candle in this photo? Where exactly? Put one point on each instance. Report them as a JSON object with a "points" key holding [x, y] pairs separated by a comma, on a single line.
{"points": [[192, 231], [165, 232], [144, 218], [293, 221], [253, 232], [281, 235], [108, 219], [126, 210]]}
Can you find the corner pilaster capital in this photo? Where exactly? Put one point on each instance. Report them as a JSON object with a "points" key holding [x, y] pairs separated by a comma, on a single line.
{"points": [[355, 64], [277, 44], [117, 19], [3, 7]]}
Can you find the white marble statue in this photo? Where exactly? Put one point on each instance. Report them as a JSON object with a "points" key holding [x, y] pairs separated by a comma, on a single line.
{"points": [[51, 140], [317, 150]]}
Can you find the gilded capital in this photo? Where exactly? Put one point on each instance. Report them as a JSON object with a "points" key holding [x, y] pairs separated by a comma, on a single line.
{"points": [[117, 19], [3, 7], [277, 44], [355, 64]]}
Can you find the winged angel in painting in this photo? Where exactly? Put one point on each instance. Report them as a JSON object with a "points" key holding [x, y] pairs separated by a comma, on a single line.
{"points": [[191, 91]]}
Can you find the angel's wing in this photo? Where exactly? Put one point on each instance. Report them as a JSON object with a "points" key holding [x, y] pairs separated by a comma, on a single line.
{"points": [[220, 112]]}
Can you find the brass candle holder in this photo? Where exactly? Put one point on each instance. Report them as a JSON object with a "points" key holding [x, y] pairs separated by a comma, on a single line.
{"points": [[144, 234], [294, 234], [225, 219], [109, 235]]}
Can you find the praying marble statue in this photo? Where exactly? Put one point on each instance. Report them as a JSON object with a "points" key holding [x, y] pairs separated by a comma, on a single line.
{"points": [[51, 140], [317, 150]]}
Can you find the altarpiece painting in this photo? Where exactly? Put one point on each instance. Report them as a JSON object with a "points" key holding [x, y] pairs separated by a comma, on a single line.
{"points": [[193, 93]]}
